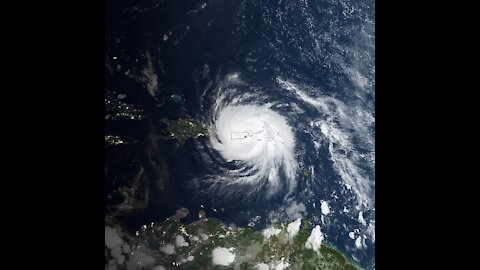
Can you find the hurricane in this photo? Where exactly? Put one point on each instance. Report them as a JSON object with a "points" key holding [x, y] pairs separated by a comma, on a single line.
{"points": [[288, 143], [256, 112], [259, 138], [253, 148], [253, 142]]}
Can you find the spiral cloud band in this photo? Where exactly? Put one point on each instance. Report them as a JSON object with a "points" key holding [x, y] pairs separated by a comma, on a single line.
{"points": [[260, 138]]}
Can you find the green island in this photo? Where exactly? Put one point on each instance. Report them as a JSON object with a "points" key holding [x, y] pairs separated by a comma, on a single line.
{"points": [[173, 244], [183, 129]]}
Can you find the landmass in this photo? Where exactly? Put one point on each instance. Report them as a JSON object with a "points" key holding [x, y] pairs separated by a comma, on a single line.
{"points": [[183, 129], [116, 109], [209, 244]]}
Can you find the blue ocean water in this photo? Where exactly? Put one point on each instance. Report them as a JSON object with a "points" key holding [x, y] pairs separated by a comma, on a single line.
{"points": [[312, 60]]}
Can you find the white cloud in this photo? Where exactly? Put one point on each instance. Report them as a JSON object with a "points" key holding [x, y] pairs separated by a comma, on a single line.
{"points": [[223, 256], [260, 138], [262, 266], [293, 228], [361, 219], [269, 232], [126, 248], [371, 230], [121, 260], [325, 208], [168, 249], [180, 241], [116, 251], [295, 210], [314, 241], [195, 238], [281, 265], [340, 125], [149, 76], [358, 242], [112, 238]]}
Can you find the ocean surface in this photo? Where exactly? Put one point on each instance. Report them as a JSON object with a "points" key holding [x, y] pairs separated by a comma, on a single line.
{"points": [[298, 76]]}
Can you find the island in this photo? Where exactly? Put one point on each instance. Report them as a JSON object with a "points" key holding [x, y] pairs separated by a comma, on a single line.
{"points": [[183, 129]]}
